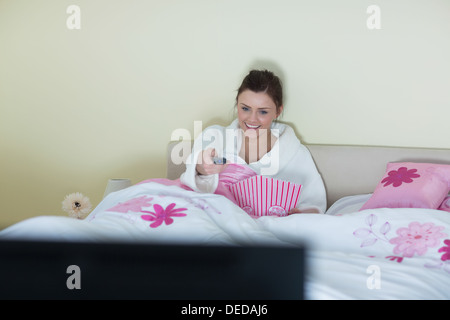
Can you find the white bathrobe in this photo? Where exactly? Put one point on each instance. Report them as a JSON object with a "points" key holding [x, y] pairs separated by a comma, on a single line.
{"points": [[288, 160]]}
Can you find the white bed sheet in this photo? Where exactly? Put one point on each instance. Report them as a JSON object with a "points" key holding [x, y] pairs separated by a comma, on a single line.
{"points": [[351, 255], [348, 204]]}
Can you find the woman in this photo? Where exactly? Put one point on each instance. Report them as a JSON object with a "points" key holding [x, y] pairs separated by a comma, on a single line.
{"points": [[258, 143]]}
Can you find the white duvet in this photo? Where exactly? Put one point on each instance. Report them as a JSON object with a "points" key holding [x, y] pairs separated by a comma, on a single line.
{"points": [[371, 254]]}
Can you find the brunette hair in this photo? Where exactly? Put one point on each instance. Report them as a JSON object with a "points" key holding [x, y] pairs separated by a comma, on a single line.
{"points": [[263, 81]]}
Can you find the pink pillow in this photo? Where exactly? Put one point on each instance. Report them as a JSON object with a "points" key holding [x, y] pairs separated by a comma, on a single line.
{"points": [[445, 205], [411, 185]]}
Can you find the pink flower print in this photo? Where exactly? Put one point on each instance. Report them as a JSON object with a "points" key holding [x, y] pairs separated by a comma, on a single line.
{"points": [[395, 258], [163, 215], [397, 177], [446, 249], [417, 238], [133, 205]]}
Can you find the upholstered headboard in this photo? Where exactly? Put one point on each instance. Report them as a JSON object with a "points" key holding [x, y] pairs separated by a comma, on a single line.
{"points": [[345, 170]]}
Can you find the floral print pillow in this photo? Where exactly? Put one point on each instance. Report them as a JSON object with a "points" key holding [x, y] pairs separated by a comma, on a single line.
{"points": [[411, 185]]}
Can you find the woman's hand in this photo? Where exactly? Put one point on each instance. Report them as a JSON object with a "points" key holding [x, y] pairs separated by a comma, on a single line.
{"points": [[205, 163], [309, 210]]}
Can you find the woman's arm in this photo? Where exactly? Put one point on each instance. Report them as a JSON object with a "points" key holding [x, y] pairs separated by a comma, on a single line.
{"points": [[305, 210], [201, 173], [301, 169]]}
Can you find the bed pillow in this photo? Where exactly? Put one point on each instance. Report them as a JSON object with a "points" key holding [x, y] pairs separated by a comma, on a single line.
{"points": [[445, 205], [411, 185], [348, 204]]}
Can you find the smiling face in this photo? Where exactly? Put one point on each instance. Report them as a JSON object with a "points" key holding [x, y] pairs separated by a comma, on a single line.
{"points": [[256, 111]]}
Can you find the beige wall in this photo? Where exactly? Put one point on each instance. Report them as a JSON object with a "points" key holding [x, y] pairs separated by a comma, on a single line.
{"points": [[80, 106]]}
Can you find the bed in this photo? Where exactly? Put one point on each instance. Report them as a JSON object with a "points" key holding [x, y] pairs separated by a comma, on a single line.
{"points": [[370, 244]]}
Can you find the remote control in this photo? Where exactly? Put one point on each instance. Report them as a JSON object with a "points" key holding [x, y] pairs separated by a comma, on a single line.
{"points": [[219, 160]]}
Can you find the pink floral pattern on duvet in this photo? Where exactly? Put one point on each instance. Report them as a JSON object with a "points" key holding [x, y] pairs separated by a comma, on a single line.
{"points": [[158, 216], [133, 205], [163, 215], [446, 250], [415, 239]]}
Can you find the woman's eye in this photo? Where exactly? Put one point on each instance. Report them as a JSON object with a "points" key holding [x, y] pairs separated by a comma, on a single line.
{"points": [[263, 112], [245, 108]]}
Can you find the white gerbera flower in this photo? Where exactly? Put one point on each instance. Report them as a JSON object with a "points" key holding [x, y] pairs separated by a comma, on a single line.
{"points": [[76, 205]]}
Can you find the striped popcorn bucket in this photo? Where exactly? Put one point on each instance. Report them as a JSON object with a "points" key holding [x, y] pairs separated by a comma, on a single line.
{"points": [[262, 196]]}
